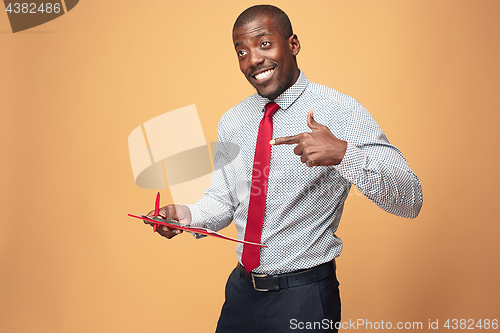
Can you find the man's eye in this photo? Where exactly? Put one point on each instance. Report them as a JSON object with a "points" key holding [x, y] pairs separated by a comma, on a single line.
{"points": [[242, 53], [264, 44]]}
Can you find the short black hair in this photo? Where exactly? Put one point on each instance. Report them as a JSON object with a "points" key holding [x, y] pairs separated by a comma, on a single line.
{"points": [[279, 17]]}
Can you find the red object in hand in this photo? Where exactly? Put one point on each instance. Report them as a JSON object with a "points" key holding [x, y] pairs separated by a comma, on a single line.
{"points": [[157, 210], [196, 230]]}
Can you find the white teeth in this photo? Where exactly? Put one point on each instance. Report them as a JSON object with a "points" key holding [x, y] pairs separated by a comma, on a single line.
{"points": [[263, 75]]}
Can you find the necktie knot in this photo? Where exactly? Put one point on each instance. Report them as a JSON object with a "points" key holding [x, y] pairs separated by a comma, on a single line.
{"points": [[270, 109]]}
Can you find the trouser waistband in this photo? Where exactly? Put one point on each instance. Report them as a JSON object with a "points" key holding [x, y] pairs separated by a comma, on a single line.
{"points": [[264, 282]]}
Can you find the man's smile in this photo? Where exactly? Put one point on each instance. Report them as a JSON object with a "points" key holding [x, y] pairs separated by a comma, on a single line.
{"points": [[261, 76]]}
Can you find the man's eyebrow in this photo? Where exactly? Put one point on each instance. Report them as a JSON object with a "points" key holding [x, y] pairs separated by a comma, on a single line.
{"points": [[262, 34]]}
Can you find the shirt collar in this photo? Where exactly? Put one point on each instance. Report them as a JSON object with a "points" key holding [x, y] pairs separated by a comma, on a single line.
{"points": [[289, 96]]}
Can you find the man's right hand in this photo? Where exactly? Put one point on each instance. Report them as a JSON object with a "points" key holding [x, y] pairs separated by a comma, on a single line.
{"points": [[174, 212]]}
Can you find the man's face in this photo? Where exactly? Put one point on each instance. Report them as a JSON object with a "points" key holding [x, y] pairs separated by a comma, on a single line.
{"points": [[266, 58]]}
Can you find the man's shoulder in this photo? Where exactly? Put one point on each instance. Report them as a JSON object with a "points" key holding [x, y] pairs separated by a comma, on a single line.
{"points": [[250, 103], [322, 93], [243, 108], [239, 114]]}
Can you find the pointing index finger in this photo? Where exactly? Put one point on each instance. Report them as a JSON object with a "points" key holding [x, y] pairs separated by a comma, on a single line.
{"points": [[286, 140]]}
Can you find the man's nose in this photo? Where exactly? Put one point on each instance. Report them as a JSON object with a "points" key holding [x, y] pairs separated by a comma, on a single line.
{"points": [[256, 58]]}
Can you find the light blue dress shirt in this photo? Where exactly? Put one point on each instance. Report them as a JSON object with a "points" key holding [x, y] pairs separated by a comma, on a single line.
{"points": [[304, 204]]}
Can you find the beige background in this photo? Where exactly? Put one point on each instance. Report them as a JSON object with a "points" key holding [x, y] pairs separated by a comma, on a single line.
{"points": [[72, 90]]}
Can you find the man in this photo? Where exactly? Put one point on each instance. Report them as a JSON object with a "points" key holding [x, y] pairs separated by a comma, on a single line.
{"points": [[290, 204]]}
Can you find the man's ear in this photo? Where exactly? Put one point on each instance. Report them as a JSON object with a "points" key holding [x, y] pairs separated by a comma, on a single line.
{"points": [[294, 43]]}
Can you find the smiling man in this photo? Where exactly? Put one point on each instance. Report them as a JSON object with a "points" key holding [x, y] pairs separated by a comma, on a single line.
{"points": [[288, 193], [266, 53]]}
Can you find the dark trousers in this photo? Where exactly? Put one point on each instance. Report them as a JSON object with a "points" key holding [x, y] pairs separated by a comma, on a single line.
{"points": [[312, 307]]}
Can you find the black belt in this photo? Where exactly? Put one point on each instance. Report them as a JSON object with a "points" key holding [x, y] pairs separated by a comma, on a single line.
{"points": [[263, 282]]}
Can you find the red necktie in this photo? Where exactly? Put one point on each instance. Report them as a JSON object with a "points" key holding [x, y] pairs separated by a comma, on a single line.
{"points": [[251, 253]]}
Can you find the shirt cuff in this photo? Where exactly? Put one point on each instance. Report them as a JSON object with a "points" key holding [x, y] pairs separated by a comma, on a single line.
{"points": [[352, 165], [196, 220]]}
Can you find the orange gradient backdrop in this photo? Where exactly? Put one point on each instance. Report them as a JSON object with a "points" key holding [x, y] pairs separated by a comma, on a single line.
{"points": [[72, 90]]}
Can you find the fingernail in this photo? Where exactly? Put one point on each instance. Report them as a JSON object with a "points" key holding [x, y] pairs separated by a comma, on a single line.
{"points": [[177, 231], [272, 142], [165, 228]]}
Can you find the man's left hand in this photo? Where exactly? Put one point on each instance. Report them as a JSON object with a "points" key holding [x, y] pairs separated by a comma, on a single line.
{"points": [[317, 148]]}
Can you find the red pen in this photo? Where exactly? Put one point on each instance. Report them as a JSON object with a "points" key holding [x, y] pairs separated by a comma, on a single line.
{"points": [[157, 210]]}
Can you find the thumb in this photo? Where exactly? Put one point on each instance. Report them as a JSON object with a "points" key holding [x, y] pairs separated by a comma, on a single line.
{"points": [[313, 124]]}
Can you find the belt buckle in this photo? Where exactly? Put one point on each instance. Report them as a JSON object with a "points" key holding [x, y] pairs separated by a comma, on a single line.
{"points": [[253, 281]]}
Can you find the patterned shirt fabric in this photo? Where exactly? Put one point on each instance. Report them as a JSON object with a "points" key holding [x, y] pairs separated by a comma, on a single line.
{"points": [[304, 204]]}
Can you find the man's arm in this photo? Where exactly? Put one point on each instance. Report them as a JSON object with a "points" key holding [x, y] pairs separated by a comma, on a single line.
{"points": [[370, 162]]}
